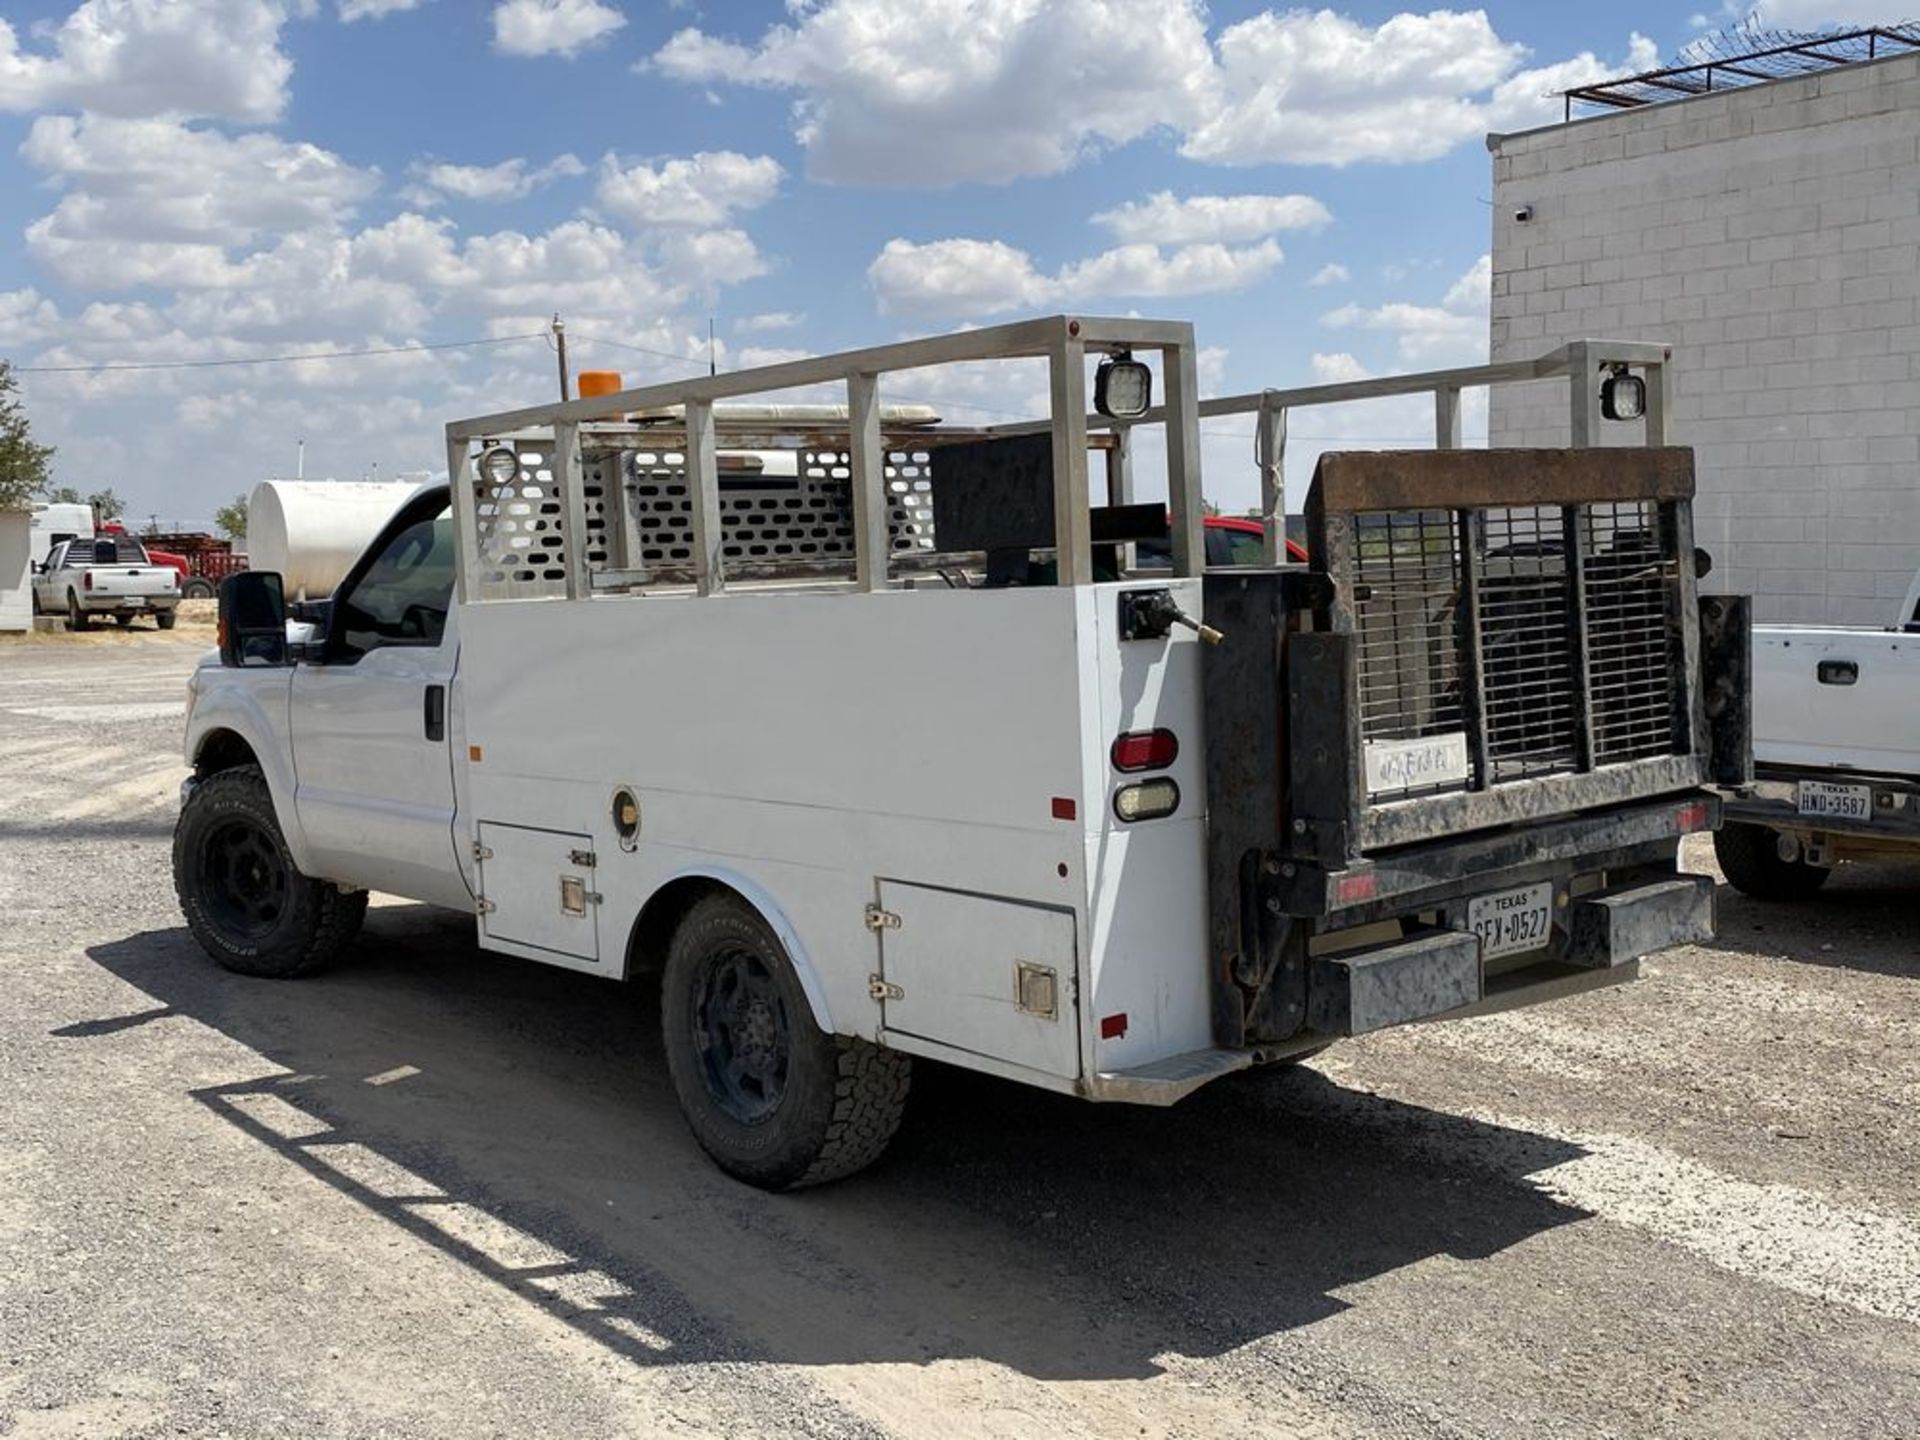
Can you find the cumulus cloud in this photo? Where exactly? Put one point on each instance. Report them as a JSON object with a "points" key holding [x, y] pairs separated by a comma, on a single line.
{"points": [[1452, 332], [988, 277], [706, 189], [1333, 273], [489, 184], [882, 88], [1161, 219], [944, 91], [552, 27], [1304, 87], [219, 58], [161, 202]]}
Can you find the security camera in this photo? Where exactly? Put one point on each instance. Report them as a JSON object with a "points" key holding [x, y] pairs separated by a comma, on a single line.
{"points": [[1522, 214]]}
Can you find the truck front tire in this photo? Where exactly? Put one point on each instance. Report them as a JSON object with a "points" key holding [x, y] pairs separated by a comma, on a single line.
{"points": [[247, 904], [775, 1100], [1750, 857]]}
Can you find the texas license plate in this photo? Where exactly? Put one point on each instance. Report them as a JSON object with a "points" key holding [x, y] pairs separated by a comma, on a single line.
{"points": [[1510, 921], [1844, 802]]}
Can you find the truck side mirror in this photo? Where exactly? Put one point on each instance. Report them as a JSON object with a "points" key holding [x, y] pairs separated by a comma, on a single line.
{"points": [[253, 619]]}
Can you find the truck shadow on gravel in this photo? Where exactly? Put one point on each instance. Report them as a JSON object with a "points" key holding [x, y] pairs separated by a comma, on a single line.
{"points": [[1862, 919], [519, 1119]]}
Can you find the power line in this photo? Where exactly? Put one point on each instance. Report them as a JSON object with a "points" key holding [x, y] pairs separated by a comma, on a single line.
{"points": [[119, 365]]}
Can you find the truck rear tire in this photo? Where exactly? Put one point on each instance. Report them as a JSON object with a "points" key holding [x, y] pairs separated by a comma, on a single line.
{"points": [[775, 1100], [197, 589], [165, 618], [76, 617], [247, 904], [1750, 857]]}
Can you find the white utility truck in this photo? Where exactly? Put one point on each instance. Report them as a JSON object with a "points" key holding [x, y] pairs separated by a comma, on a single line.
{"points": [[105, 575], [863, 738], [1836, 751]]}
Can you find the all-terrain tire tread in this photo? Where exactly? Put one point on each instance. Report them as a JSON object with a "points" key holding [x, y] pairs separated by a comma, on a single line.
{"points": [[869, 1097]]}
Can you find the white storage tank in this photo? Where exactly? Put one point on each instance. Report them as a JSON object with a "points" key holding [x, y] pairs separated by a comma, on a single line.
{"points": [[311, 531]]}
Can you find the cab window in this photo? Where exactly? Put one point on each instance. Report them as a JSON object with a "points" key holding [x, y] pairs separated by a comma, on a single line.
{"points": [[402, 598]]}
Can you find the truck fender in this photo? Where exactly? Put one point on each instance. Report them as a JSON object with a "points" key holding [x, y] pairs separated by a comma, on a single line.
{"points": [[240, 713], [769, 909]]}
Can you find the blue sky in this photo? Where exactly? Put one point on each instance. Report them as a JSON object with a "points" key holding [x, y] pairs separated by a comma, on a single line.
{"points": [[192, 180]]}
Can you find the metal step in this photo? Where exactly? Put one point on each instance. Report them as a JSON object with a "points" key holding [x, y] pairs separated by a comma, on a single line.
{"points": [[1165, 1081]]}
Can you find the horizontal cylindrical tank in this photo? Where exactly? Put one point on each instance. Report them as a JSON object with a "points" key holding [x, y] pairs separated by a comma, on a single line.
{"points": [[312, 531]]}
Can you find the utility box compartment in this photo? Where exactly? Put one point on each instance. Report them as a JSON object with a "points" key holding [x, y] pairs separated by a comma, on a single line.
{"points": [[994, 977], [537, 889]]}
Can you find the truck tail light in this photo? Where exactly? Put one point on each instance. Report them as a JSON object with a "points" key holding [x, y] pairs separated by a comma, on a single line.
{"points": [[1139, 750], [86, 579], [1149, 800]]}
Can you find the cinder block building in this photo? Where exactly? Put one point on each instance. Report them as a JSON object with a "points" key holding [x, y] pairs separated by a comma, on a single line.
{"points": [[1769, 230]]}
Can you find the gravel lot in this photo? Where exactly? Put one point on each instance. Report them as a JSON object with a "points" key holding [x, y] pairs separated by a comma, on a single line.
{"points": [[438, 1193]]}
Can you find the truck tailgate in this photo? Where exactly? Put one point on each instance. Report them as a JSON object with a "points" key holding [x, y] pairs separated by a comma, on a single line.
{"points": [[138, 581], [1836, 698]]}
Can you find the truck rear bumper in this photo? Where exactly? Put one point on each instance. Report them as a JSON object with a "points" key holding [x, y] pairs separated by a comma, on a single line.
{"points": [[1773, 801], [1440, 973]]}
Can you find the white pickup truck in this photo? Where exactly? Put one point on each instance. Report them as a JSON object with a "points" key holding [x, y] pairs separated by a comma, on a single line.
{"points": [[890, 752], [105, 575], [1836, 750]]}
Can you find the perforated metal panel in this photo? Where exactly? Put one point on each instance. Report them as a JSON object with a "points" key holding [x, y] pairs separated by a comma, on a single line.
{"points": [[767, 519], [523, 528]]}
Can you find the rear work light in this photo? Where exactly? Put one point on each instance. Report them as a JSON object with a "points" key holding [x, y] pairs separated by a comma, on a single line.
{"points": [[1139, 750], [1149, 800]]}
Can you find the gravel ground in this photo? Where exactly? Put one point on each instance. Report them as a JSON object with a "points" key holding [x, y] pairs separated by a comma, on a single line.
{"points": [[440, 1193]]}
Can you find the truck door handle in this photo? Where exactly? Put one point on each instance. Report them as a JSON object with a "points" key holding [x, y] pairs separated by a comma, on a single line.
{"points": [[1838, 672], [436, 712]]}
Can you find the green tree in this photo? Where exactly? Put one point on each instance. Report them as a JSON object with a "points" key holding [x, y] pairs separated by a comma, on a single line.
{"points": [[231, 519], [107, 505], [23, 464], [65, 495]]}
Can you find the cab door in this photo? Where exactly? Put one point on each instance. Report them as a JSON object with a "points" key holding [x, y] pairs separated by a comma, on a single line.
{"points": [[374, 774]]}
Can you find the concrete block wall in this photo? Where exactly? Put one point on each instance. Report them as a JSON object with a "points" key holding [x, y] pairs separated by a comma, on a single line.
{"points": [[1771, 235]]}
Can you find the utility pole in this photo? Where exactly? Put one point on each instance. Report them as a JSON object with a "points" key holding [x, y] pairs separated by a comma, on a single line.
{"points": [[560, 346], [300, 460], [711, 367]]}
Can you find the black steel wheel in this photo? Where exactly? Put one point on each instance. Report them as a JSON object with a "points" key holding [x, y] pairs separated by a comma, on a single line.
{"points": [[775, 1100], [197, 589], [124, 621], [245, 901], [741, 1032], [76, 617]]}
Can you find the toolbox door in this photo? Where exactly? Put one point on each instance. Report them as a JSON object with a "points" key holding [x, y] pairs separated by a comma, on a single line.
{"points": [[994, 977], [537, 889]]}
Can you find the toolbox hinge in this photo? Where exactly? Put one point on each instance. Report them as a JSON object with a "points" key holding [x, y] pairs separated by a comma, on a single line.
{"points": [[882, 990], [881, 919], [481, 852], [483, 906]]}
